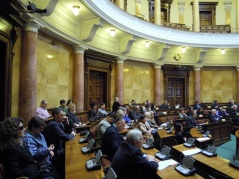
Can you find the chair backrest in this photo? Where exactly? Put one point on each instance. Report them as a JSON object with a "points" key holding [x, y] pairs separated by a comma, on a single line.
{"points": [[111, 174], [169, 141]]}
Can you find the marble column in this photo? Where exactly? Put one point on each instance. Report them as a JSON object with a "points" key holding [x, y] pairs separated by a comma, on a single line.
{"points": [[237, 15], [120, 4], [237, 100], [157, 12], [28, 72], [197, 86], [78, 78], [137, 7], [119, 80], [157, 84], [181, 8], [228, 7], [196, 21]]}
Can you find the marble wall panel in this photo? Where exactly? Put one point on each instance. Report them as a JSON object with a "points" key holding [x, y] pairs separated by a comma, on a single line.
{"points": [[54, 75], [218, 83], [16, 74], [138, 82]]}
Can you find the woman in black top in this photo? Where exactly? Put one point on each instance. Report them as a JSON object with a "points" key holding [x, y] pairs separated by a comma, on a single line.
{"points": [[16, 158], [178, 133]]}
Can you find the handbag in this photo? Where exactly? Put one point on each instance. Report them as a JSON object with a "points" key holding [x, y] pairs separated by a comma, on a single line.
{"points": [[46, 170]]}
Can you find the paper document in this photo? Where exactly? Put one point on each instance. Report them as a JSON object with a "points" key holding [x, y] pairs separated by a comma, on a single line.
{"points": [[191, 152], [203, 139], [166, 163]]}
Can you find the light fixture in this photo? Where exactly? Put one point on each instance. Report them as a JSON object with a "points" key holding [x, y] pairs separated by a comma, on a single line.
{"points": [[147, 43], [76, 10], [49, 56], [112, 32], [183, 49], [223, 51]]}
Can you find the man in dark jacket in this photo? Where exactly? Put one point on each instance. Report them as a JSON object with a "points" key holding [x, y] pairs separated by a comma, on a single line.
{"points": [[112, 139], [129, 162]]}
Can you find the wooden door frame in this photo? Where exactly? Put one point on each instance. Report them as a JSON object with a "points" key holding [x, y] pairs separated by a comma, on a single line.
{"points": [[98, 62], [185, 91], [182, 72]]}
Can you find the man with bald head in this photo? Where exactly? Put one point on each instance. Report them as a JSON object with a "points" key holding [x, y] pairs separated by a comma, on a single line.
{"points": [[42, 110]]}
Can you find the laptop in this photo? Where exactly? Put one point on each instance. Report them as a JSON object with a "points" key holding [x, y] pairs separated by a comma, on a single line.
{"points": [[85, 138], [186, 167], [94, 163], [164, 154], [149, 144], [89, 148], [190, 142], [210, 151]]}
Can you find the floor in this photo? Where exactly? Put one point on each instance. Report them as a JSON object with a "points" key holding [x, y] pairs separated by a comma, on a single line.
{"points": [[228, 149]]}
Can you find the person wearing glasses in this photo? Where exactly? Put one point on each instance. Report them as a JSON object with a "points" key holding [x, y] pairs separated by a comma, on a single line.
{"points": [[129, 162], [17, 159]]}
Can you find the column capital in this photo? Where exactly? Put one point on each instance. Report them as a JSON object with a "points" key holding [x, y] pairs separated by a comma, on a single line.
{"points": [[237, 68], [197, 68], [181, 6], [32, 26], [157, 65], [121, 59], [227, 4], [79, 49]]}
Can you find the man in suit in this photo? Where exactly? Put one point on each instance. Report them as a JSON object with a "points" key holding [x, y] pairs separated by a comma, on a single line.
{"points": [[191, 121], [234, 113], [197, 105], [57, 132], [214, 117], [129, 162], [134, 114], [112, 139], [222, 112]]}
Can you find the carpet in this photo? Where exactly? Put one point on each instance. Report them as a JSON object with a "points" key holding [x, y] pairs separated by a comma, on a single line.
{"points": [[228, 149]]}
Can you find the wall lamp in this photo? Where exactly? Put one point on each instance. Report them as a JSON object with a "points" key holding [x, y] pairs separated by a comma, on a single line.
{"points": [[76, 10]]}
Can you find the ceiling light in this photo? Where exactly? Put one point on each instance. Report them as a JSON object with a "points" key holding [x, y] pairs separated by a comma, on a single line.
{"points": [[49, 56], [112, 32], [223, 51], [76, 10], [147, 43], [183, 49]]}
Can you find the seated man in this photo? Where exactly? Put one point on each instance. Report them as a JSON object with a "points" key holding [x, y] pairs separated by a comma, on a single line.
{"points": [[63, 106], [101, 110], [214, 117], [130, 163], [125, 116], [104, 124], [112, 140], [147, 108], [56, 132], [134, 114], [235, 112], [92, 114], [215, 104], [165, 105], [191, 121], [197, 105], [222, 112], [42, 110], [116, 104]]}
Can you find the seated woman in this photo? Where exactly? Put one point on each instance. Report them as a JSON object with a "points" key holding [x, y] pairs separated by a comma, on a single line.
{"points": [[144, 127], [153, 108], [178, 133], [182, 114], [190, 111], [133, 103], [36, 142], [150, 119], [92, 114], [165, 105], [17, 160], [200, 112], [177, 105], [73, 119]]}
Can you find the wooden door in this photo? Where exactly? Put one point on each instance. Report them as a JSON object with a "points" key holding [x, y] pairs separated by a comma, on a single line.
{"points": [[97, 87], [176, 91], [205, 18]]}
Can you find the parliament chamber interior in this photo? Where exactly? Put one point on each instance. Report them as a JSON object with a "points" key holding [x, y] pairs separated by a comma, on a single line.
{"points": [[163, 72]]}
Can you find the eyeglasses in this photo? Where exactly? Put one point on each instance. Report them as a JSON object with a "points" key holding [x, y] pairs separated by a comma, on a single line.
{"points": [[20, 128]]}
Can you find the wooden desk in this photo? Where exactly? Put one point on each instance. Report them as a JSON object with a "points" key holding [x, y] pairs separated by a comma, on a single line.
{"points": [[169, 172], [207, 165], [75, 166]]}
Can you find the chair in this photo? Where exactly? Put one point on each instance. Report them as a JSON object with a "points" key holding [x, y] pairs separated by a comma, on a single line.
{"points": [[111, 174], [105, 163], [237, 141], [169, 141]]}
